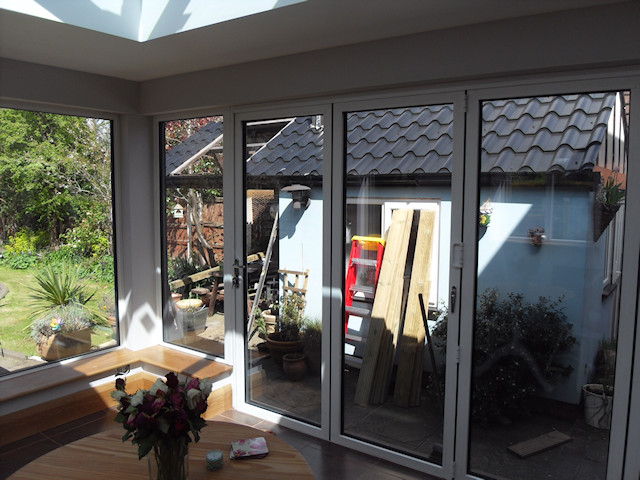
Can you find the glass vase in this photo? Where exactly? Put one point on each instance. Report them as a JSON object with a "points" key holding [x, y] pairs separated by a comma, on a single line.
{"points": [[169, 460]]}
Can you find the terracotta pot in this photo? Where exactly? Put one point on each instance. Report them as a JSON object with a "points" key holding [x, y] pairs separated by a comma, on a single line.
{"points": [[278, 348], [63, 345], [294, 366]]}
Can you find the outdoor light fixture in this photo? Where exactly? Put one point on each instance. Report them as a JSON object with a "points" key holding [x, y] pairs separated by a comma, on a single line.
{"points": [[301, 195]]}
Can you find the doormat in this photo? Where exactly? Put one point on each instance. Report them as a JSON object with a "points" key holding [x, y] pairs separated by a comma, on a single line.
{"points": [[539, 444]]}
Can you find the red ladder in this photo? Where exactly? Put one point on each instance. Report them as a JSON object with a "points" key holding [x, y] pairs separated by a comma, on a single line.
{"points": [[362, 275]]}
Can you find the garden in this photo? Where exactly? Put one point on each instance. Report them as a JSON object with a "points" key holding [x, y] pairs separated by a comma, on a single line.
{"points": [[57, 295]]}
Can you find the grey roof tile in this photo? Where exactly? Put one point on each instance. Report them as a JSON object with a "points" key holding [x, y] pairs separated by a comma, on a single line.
{"points": [[192, 145], [542, 134], [295, 150]]}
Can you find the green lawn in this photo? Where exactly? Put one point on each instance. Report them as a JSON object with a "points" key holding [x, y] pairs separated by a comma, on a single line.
{"points": [[16, 305]]}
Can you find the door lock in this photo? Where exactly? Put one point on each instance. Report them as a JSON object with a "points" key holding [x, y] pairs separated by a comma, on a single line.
{"points": [[237, 273]]}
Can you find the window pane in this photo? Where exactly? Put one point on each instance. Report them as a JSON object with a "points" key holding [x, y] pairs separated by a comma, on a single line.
{"points": [[194, 303], [397, 224], [284, 264], [553, 181], [57, 275]]}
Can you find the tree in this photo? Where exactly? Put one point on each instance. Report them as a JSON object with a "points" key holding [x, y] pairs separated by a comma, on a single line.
{"points": [[52, 168], [176, 132]]}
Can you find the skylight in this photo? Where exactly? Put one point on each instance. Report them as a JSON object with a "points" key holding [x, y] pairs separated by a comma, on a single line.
{"points": [[142, 20]]}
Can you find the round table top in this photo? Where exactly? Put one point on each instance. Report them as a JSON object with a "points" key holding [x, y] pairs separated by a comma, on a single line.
{"points": [[105, 456]]}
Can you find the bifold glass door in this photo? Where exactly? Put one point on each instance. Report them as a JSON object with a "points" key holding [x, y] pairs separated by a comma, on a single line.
{"points": [[399, 165], [458, 262], [546, 324], [284, 206]]}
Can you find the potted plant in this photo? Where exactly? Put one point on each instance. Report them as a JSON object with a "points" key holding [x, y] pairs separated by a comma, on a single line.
{"points": [[311, 345], [609, 197], [191, 314], [62, 317], [286, 338], [598, 396], [62, 332]]}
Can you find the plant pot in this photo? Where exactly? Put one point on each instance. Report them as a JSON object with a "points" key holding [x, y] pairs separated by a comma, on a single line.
{"points": [[278, 347], [192, 321], [294, 366], [602, 216], [597, 406], [63, 345]]}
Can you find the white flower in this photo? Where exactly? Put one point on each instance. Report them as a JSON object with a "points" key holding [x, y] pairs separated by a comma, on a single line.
{"points": [[138, 398], [118, 395], [159, 385], [193, 398], [205, 386]]}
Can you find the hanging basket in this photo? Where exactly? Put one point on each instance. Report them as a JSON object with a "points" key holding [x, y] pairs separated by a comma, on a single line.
{"points": [[602, 216]]}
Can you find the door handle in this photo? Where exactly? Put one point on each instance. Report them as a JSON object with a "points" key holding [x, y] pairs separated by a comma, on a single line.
{"points": [[454, 295], [238, 268]]}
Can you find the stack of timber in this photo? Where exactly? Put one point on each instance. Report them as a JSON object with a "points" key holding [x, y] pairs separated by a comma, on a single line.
{"points": [[409, 375], [405, 273], [387, 306]]}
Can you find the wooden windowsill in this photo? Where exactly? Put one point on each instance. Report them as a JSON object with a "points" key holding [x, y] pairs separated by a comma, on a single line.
{"points": [[108, 363]]}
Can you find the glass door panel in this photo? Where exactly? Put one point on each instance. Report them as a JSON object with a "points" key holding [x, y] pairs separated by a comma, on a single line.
{"points": [[552, 189], [283, 242], [194, 229], [398, 165]]}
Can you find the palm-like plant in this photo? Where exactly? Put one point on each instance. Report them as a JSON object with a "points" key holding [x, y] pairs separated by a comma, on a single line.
{"points": [[56, 289]]}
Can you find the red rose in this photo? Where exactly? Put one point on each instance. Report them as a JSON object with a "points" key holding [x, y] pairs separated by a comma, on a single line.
{"points": [[193, 383], [172, 380], [176, 399], [120, 383]]}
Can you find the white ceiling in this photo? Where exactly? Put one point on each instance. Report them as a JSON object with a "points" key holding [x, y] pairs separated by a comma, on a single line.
{"points": [[289, 29]]}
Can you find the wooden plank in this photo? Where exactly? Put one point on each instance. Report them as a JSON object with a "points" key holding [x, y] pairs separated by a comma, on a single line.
{"points": [[196, 277], [387, 301], [413, 335], [539, 444]]}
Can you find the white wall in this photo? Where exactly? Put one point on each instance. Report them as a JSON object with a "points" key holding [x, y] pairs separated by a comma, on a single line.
{"points": [[562, 41]]}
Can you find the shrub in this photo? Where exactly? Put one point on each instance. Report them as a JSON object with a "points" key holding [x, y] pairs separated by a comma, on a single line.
{"points": [[26, 241], [311, 334], [21, 251], [515, 350]]}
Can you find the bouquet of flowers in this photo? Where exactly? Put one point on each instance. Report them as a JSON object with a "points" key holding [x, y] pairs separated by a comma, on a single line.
{"points": [[164, 419]]}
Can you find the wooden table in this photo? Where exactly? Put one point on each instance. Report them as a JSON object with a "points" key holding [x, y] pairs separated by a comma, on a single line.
{"points": [[106, 456]]}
